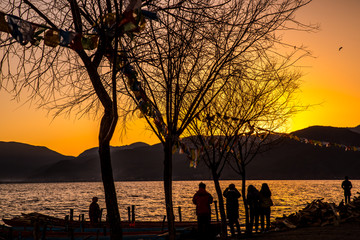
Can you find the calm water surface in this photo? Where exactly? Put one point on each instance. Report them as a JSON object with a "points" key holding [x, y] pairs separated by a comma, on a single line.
{"points": [[148, 197]]}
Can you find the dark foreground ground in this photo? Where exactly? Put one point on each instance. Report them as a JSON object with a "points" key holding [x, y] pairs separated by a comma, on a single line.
{"points": [[344, 231]]}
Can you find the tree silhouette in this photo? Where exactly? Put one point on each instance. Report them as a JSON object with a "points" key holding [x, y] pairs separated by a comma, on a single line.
{"points": [[264, 104], [189, 51], [257, 100], [76, 69], [167, 68]]}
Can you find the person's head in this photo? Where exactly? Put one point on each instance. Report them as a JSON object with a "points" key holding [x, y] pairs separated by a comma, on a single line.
{"points": [[232, 186], [202, 185], [251, 189], [346, 178], [95, 199], [265, 190], [265, 187]]}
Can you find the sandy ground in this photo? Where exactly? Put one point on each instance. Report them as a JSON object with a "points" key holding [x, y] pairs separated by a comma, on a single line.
{"points": [[344, 231]]}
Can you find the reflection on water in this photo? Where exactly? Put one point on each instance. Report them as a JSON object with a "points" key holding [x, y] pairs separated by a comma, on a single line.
{"points": [[57, 198]]}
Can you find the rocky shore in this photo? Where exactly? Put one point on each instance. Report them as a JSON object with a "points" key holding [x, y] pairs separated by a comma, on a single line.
{"points": [[317, 221]]}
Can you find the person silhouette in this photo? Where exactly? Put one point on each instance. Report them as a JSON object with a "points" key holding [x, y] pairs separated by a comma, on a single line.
{"points": [[252, 199], [346, 185], [94, 211], [232, 196], [265, 204], [202, 199]]}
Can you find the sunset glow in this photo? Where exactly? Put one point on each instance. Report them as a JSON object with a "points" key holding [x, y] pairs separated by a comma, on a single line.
{"points": [[330, 86]]}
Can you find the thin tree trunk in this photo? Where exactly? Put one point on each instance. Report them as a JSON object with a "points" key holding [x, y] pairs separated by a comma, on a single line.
{"points": [[168, 188], [223, 230], [246, 208], [107, 176]]}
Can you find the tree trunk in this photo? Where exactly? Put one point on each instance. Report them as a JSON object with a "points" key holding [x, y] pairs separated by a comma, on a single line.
{"points": [[223, 232], [168, 187], [246, 208], [112, 208]]}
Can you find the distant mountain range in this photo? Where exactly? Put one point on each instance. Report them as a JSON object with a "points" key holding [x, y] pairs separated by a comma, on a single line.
{"points": [[289, 159]]}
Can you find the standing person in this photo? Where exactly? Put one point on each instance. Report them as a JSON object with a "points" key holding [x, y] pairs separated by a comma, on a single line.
{"points": [[94, 211], [202, 199], [253, 198], [232, 196], [346, 185], [265, 204]]}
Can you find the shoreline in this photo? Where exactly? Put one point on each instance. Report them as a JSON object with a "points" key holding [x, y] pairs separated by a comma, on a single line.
{"points": [[344, 231]]}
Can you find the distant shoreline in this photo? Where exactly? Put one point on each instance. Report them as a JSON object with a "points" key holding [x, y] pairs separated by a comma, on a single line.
{"points": [[132, 180], [288, 160]]}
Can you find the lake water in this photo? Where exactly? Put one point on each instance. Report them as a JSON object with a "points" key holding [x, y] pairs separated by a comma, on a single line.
{"points": [[57, 198]]}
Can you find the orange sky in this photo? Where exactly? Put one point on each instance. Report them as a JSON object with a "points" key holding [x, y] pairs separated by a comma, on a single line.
{"points": [[332, 78], [331, 84]]}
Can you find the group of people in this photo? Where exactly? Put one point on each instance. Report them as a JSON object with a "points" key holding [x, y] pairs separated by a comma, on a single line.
{"points": [[259, 203]]}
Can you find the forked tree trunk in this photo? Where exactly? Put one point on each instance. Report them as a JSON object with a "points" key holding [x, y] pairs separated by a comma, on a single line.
{"points": [[168, 188], [223, 232], [107, 128], [112, 208]]}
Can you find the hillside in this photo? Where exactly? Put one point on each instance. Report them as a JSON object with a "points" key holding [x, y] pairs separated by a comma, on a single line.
{"points": [[289, 159], [347, 136], [295, 160], [143, 162], [19, 160]]}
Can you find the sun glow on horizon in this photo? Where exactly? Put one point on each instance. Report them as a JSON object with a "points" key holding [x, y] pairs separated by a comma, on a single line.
{"points": [[330, 87]]}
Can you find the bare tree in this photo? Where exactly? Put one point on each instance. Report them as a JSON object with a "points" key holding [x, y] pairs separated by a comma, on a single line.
{"points": [[236, 126], [170, 66], [209, 135], [190, 51], [265, 100], [76, 69]]}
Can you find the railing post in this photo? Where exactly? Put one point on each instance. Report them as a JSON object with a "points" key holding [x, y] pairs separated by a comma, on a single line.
{"points": [[133, 213], [71, 215], [180, 219], [82, 219]]}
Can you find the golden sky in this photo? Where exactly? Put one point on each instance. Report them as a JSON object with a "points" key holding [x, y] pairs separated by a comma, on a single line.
{"points": [[332, 78], [331, 84]]}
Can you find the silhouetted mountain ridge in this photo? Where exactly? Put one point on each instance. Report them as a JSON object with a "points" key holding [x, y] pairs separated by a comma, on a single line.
{"points": [[19, 160], [295, 160], [94, 151], [289, 159], [347, 136]]}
